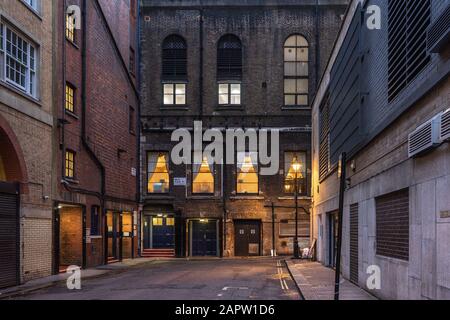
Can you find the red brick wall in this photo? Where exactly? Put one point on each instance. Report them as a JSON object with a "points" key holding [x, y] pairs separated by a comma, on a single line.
{"points": [[109, 94]]}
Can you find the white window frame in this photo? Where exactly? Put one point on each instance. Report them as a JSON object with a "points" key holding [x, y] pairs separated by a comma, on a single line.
{"points": [[33, 4], [30, 85], [174, 93], [229, 93]]}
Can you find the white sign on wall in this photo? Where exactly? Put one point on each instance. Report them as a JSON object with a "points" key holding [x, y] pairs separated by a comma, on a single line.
{"points": [[179, 182]]}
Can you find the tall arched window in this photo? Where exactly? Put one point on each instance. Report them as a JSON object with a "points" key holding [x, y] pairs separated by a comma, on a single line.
{"points": [[174, 58], [296, 73], [229, 70], [174, 70]]}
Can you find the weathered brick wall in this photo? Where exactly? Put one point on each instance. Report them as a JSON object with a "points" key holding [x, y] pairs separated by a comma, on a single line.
{"points": [[109, 95], [31, 121]]}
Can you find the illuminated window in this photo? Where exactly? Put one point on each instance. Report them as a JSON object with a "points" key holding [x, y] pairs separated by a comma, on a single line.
{"points": [[175, 94], [230, 94], [157, 222], [247, 173], [170, 222], [127, 223], [296, 71], [70, 27], [2, 170], [294, 166], [203, 177], [70, 164], [18, 59], [70, 98], [158, 172]]}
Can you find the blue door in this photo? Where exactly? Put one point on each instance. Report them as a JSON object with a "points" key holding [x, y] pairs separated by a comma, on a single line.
{"points": [[163, 233], [204, 238]]}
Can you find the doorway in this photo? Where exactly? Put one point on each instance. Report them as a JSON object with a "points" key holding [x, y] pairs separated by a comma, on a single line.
{"points": [[204, 237], [70, 225], [247, 238], [9, 234], [113, 229], [333, 222], [159, 232]]}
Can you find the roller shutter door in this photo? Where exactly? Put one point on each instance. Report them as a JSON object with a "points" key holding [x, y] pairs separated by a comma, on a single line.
{"points": [[9, 235]]}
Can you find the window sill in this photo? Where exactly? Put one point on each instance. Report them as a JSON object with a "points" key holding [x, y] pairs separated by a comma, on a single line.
{"points": [[71, 114], [174, 107], [71, 180], [245, 197], [295, 108], [73, 43], [293, 198], [230, 107], [150, 196], [204, 197], [21, 93]]}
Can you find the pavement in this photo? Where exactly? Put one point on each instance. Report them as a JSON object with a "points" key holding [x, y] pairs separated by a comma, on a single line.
{"points": [[316, 282], [264, 278]]}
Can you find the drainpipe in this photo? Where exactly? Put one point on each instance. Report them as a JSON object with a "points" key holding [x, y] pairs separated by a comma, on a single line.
{"points": [[317, 48], [201, 65], [138, 126]]}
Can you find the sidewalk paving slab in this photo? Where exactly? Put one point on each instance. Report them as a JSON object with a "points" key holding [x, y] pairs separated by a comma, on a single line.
{"points": [[316, 282]]}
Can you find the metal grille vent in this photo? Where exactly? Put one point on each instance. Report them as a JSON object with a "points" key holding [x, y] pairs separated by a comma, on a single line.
{"points": [[425, 137], [408, 55], [445, 126], [174, 56], [439, 32], [229, 58]]}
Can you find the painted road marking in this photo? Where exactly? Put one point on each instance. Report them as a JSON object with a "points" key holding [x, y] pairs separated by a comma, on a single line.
{"points": [[236, 288]]}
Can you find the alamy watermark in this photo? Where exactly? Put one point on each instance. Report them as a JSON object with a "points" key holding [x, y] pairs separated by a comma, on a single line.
{"points": [[74, 280]]}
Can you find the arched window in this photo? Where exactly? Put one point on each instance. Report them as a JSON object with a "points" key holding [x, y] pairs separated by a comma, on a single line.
{"points": [[229, 58], [174, 58], [296, 71], [229, 70]]}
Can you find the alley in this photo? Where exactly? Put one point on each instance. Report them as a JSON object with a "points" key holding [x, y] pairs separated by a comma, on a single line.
{"points": [[213, 279]]}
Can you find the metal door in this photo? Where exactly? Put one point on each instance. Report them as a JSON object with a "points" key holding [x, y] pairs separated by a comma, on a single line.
{"points": [[9, 235], [204, 238], [163, 233], [247, 238]]}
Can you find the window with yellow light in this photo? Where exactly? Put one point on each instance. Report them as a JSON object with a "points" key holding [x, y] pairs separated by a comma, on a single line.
{"points": [[158, 172], [203, 177], [247, 173], [294, 169]]}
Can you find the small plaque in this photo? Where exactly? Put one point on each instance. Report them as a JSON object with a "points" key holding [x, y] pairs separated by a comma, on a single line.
{"points": [[179, 182]]}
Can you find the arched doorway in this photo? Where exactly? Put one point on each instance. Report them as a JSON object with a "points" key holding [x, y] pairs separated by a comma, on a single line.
{"points": [[12, 174]]}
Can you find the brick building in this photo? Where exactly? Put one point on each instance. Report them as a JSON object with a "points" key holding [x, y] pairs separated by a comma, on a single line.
{"points": [[26, 124], [96, 136], [229, 64], [383, 102]]}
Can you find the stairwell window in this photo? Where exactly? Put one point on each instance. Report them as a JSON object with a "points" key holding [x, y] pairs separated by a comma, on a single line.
{"points": [[70, 164], [70, 28], [247, 173], [296, 71], [18, 60], [70, 98], [158, 172]]}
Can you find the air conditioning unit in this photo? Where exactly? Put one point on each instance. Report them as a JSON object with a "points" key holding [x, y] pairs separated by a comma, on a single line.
{"points": [[445, 126], [426, 137]]}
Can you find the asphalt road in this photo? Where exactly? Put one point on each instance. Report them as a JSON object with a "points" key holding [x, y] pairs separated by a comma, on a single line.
{"points": [[227, 279]]}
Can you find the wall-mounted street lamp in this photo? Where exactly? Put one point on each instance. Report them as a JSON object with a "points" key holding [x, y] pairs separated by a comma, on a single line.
{"points": [[296, 166]]}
